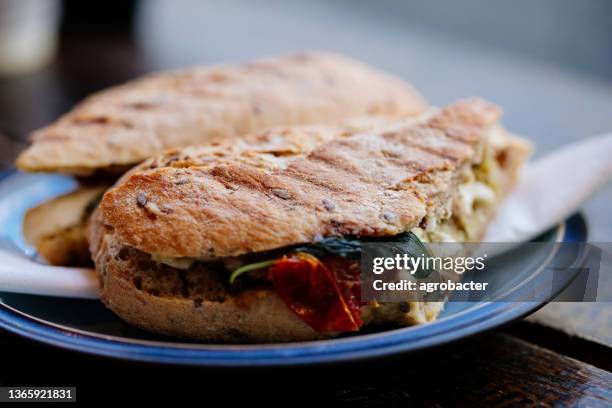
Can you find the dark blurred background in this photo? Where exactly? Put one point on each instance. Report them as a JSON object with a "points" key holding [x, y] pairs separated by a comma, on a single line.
{"points": [[547, 63]]}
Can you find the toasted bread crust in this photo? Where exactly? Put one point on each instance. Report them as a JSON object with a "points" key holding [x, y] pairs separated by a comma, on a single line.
{"points": [[129, 123], [373, 183]]}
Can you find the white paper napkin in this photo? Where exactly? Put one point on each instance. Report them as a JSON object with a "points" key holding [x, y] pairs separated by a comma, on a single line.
{"points": [[549, 190], [20, 274], [553, 188]]}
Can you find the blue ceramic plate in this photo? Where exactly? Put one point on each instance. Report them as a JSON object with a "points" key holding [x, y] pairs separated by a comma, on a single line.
{"points": [[86, 326]]}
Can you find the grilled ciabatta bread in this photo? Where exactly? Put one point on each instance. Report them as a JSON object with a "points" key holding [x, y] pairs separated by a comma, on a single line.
{"points": [[165, 239], [117, 128]]}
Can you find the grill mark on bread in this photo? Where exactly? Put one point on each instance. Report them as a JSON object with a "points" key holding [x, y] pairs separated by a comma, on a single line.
{"points": [[367, 158], [375, 195], [471, 121], [102, 120], [432, 142]]}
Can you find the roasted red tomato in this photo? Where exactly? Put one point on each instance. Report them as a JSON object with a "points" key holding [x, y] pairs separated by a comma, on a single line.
{"points": [[315, 293]]}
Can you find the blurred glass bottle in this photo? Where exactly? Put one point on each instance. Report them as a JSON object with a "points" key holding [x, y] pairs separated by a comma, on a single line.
{"points": [[28, 35]]}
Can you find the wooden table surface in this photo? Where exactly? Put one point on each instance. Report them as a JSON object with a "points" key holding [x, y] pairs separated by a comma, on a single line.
{"points": [[533, 362]]}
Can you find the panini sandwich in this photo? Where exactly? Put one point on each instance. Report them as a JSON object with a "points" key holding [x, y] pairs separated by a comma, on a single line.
{"points": [[115, 129], [234, 245]]}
